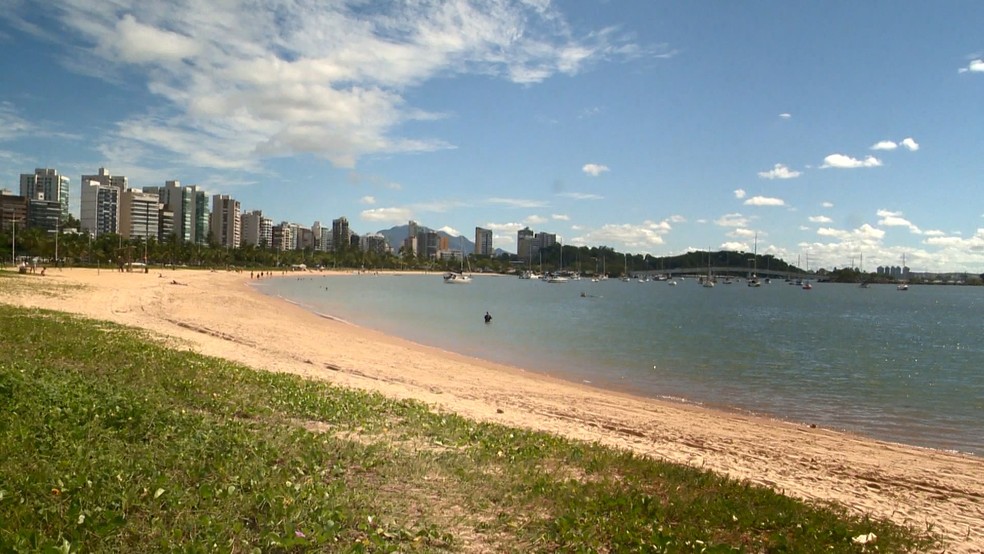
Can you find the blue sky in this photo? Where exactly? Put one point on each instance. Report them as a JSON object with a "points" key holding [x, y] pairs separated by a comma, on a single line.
{"points": [[829, 130]]}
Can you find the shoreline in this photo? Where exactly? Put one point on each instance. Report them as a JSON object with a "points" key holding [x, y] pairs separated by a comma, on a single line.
{"points": [[220, 314]]}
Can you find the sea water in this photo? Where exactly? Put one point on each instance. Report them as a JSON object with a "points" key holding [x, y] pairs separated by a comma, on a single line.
{"points": [[902, 366]]}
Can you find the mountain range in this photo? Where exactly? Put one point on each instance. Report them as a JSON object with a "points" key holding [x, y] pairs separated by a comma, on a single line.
{"points": [[396, 235]]}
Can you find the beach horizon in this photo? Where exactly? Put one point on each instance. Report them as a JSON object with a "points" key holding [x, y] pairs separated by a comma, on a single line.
{"points": [[217, 313]]}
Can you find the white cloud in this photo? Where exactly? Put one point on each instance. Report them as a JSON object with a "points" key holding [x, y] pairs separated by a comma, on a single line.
{"points": [[742, 233], [764, 201], [11, 124], [560, 217], [438, 206], [505, 227], [370, 200], [581, 195], [387, 215], [676, 219], [594, 170], [955, 249], [863, 233], [884, 145], [934, 233], [785, 115], [739, 193], [631, 236], [535, 220], [975, 66], [909, 143], [732, 220], [895, 219], [779, 171], [451, 231], [827, 204], [135, 42], [820, 219], [734, 246], [518, 202], [841, 161], [240, 83]]}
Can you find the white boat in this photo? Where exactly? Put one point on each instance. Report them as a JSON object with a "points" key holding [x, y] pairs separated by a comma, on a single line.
{"points": [[458, 277], [454, 278], [708, 282], [558, 276], [902, 286], [753, 280]]}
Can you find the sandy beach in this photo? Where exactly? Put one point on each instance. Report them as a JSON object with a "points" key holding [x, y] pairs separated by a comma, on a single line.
{"points": [[219, 314]]}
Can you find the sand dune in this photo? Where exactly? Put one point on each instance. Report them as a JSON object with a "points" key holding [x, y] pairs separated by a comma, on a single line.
{"points": [[219, 314]]}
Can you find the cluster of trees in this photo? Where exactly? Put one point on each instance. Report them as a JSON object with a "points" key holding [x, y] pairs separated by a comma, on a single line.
{"points": [[79, 249]]}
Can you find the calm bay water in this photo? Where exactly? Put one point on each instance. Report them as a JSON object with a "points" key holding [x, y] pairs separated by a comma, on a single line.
{"points": [[900, 366]]}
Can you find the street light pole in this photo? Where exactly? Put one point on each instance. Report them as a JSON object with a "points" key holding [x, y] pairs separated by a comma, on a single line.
{"points": [[13, 235]]}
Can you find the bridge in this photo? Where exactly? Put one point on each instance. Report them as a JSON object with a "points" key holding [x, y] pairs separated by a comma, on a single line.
{"points": [[726, 271]]}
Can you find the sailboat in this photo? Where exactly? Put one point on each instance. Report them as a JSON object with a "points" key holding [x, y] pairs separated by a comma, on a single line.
{"points": [[557, 277], [903, 286], [753, 280], [708, 281], [459, 277], [625, 267]]}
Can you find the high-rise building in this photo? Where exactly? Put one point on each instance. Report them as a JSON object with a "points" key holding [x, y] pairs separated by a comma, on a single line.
{"points": [[13, 211], [305, 238], [256, 230], [139, 214], [178, 200], [280, 236], [225, 221], [410, 243], [375, 243], [100, 208], [429, 243], [189, 206], [43, 214], [340, 234], [524, 245], [200, 216], [165, 225], [325, 241], [483, 242], [103, 177], [295, 236], [46, 184], [543, 241]]}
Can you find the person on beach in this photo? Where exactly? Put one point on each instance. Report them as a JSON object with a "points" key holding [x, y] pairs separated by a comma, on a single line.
{"points": [[488, 318]]}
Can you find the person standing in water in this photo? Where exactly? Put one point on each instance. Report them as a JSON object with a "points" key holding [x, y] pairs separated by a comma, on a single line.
{"points": [[488, 318]]}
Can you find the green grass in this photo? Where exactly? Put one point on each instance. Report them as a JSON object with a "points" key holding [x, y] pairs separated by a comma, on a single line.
{"points": [[111, 442]]}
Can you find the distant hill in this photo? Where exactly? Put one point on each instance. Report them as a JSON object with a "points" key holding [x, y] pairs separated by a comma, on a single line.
{"points": [[396, 235]]}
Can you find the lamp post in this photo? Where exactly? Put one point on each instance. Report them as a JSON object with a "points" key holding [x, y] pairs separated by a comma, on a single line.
{"points": [[13, 235], [56, 240]]}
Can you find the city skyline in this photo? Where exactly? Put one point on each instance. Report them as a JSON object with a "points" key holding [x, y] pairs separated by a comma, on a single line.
{"points": [[834, 131]]}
